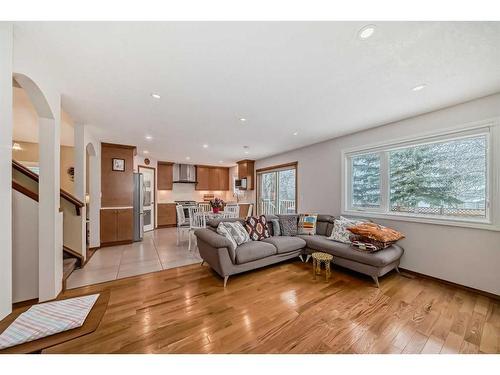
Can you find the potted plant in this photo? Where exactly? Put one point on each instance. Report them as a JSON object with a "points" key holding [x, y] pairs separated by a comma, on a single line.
{"points": [[217, 204]]}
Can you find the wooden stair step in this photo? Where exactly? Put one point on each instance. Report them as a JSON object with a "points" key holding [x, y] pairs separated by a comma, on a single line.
{"points": [[69, 264]]}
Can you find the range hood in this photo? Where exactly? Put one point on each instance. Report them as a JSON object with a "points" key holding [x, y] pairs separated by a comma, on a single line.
{"points": [[184, 174]]}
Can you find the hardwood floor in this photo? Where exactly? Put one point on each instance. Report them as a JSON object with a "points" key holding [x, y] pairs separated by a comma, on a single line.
{"points": [[281, 309]]}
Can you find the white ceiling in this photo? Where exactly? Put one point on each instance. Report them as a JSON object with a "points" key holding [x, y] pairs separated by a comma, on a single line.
{"points": [[317, 78]]}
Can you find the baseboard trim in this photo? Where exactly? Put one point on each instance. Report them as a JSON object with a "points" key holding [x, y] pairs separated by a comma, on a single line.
{"points": [[467, 288], [116, 243], [28, 302], [166, 226]]}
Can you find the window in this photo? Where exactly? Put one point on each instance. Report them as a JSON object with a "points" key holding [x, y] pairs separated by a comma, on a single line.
{"points": [[277, 189], [439, 178], [366, 181], [445, 179]]}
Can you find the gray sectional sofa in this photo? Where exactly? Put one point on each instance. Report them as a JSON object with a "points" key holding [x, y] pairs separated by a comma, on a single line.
{"points": [[215, 250]]}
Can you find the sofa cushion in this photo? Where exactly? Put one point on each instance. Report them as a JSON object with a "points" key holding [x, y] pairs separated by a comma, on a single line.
{"points": [[326, 218], [322, 224], [285, 244], [254, 250], [379, 259], [288, 224], [329, 229], [321, 227]]}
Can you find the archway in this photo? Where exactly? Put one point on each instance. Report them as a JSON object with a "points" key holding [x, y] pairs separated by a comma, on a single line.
{"points": [[49, 217]]}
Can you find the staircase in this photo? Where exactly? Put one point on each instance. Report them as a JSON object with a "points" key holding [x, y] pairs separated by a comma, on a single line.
{"points": [[71, 261], [69, 265], [25, 181]]}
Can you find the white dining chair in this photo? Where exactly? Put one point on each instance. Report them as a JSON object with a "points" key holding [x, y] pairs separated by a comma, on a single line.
{"points": [[182, 222], [233, 210], [205, 206], [196, 221]]}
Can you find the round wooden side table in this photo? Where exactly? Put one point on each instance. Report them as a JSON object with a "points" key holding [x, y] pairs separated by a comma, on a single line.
{"points": [[321, 258]]}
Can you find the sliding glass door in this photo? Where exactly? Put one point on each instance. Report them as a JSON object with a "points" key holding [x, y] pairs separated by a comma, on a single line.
{"points": [[277, 190]]}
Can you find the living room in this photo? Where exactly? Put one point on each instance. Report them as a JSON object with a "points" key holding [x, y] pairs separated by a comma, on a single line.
{"points": [[252, 187]]}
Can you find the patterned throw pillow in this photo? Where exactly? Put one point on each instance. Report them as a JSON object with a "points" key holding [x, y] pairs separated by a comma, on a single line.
{"points": [[257, 228], [276, 227], [340, 232], [288, 224], [365, 247], [307, 224], [222, 230], [234, 232], [361, 239]]}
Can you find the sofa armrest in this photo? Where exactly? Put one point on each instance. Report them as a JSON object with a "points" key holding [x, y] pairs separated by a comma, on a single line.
{"points": [[216, 250], [212, 238]]}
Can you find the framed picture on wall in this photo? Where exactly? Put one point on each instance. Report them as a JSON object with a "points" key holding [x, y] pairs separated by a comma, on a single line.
{"points": [[119, 165]]}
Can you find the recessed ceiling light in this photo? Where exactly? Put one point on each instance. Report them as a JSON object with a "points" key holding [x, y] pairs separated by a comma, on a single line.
{"points": [[242, 119], [419, 87], [366, 32], [247, 152], [148, 137], [205, 146], [295, 133], [145, 152], [155, 95], [221, 161], [188, 158]]}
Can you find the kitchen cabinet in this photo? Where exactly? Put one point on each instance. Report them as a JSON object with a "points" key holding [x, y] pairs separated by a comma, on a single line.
{"points": [[212, 178], [224, 178], [167, 214], [117, 187], [202, 177], [165, 175], [246, 169], [116, 225]]}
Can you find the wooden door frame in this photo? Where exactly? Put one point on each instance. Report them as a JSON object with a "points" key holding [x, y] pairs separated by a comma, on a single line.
{"points": [[154, 191]]}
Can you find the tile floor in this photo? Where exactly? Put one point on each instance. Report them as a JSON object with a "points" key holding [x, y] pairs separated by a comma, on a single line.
{"points": [[157, 251]]}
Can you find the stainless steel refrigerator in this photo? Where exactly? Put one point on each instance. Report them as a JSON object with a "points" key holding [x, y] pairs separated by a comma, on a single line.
{"points": [[138, 206]]}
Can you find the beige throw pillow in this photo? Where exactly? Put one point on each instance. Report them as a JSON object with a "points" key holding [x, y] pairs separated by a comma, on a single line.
{"points": [[340, 232]]}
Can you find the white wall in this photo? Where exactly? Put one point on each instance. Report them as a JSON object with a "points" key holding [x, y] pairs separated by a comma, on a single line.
{"points": [[465, 256], [24, 247], [6, 41], [83, 138], [33, 72]]}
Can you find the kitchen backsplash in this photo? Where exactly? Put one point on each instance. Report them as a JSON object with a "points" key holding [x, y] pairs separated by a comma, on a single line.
{"points": [[187, 192]]}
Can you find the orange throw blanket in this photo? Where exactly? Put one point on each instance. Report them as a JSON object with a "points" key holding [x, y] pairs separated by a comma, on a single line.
{"points": [[377, 232]]}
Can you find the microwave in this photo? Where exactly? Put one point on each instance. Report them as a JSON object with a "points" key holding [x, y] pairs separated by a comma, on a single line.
{"points": [[241, 184]]}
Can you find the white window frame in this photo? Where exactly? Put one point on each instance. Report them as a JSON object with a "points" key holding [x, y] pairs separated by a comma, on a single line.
{"points": [[490, 128]]}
